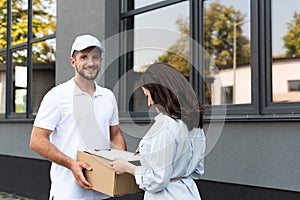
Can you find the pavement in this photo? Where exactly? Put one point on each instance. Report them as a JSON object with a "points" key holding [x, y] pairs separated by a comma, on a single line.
{"points": [[10, 196]]}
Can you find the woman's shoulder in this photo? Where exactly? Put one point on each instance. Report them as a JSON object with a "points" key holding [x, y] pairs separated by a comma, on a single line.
{"points": [[167, 121], [175, 127]]}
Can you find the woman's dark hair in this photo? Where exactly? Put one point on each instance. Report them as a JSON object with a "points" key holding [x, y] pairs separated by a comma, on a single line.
{"points": [[173, 95]]}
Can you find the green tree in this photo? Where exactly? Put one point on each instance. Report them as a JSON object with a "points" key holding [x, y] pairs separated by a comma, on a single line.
{"points": [[178, 54], [292, 38], [44, 23], [218, 39], [219, 35]]}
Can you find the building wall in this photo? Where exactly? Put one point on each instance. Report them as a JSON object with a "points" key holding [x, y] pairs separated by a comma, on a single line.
{"points": [[260, 154], [75, 17]]}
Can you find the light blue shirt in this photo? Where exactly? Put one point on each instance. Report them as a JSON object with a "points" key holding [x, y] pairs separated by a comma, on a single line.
{"points": [[169, 150]]}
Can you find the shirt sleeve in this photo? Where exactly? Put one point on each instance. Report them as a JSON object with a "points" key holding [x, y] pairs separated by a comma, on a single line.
{"points": [[48, 114], [115, 113], [157, 156], [198, 144], [199, 171]]}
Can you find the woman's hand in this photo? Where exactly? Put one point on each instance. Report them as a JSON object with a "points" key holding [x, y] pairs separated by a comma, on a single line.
{"points": [[122, 166]]}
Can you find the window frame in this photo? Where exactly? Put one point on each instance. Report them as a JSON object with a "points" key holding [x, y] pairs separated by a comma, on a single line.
{"points": [[261, 107], [289, 110], [9, 113]]}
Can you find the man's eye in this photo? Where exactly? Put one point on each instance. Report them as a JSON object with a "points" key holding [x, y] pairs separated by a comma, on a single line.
{"points": [[83, 57]]}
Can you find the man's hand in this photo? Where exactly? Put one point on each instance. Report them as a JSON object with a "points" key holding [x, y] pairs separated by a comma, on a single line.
{"points": [[77, 169]]}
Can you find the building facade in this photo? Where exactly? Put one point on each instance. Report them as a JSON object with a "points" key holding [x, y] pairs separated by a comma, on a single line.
{"points": [[238, 57]]}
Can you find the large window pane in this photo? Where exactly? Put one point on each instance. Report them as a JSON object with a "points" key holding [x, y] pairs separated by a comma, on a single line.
{"points": [[227, 42], [2, 83], [44, 18], [161, 35], [285, 51], [19, 24], [19, 81], [43, 76]]}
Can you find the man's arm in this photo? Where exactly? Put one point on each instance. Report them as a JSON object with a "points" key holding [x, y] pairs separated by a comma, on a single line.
{"points": [[40, 143], [116, 138]]}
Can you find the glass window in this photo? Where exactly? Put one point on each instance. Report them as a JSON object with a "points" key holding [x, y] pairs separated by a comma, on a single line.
{"points": [[19, 26], [285, 51], [294, 85], [227, 41], [14, 89], [142, 3], [227, 95], [3, 24], [43, 72], [137, 3], [19, 81], [161, 35], [44, 18], [2, 83]]}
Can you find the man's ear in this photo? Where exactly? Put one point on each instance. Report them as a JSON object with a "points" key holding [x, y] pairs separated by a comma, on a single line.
{"points": [[72, 61]]}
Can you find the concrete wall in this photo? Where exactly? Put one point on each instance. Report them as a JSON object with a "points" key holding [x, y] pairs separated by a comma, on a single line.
{"points": [[264, 154], [14, 139], [75, 17], [259, 154]]}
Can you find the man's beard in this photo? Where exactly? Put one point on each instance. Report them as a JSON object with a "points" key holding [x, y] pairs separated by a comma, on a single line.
{"points": [[90, 78]]}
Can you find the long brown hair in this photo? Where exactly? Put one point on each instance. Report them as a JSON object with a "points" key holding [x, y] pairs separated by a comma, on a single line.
{"points": [[173, 95]]}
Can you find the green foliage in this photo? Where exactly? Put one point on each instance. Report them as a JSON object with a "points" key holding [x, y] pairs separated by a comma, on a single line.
{"points": [[44, 23], [292, 38], [218, 39], [178, 54], [219, 35]]}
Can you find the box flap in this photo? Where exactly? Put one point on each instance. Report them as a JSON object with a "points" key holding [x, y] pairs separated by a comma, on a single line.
{"points": [[111, 154]]}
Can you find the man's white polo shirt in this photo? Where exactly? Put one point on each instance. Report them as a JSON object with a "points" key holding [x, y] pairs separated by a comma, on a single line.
{"points": [[56, 113]]}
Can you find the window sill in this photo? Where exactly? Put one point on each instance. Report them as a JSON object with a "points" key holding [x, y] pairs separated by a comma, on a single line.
{"points": [[126, 118]]}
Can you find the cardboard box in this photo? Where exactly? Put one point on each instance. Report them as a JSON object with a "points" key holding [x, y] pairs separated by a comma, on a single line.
{"points": [[103, 176]]}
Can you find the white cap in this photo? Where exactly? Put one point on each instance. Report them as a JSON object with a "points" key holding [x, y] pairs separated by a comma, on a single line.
{"points": [[84, 41]]}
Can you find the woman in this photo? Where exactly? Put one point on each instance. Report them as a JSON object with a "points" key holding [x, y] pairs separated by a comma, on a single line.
{"points": [[172, 151]]}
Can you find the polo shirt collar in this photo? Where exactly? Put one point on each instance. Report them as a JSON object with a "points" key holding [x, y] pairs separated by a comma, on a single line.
{"points": [[78, 91]]}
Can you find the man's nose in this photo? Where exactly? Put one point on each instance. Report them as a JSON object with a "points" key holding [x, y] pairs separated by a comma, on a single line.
{"points": [[90, 61]]}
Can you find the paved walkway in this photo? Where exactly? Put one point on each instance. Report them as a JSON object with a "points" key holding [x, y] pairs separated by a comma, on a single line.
{"points": [[9, 196]]}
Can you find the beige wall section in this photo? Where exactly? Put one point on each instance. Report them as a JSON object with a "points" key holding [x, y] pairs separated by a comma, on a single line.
{"points": [[76, 17]]}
